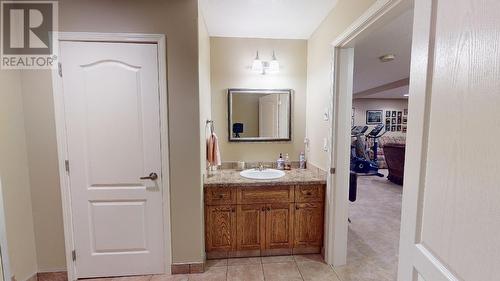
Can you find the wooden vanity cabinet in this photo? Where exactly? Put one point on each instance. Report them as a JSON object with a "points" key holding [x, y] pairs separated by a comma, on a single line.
{"points": [[220, 223], [260, 221]]}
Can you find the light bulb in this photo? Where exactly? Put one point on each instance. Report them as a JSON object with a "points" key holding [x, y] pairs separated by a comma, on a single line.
{"points": [[257, 66]]}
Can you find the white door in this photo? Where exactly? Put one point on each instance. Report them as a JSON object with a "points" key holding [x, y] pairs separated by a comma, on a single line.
{"points": [[268, 116], [111, 99], [283, 118], [451, 212]]}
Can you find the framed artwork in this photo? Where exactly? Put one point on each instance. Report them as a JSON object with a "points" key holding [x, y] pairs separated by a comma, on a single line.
{"points": [[394, 120], [394, 113], [399, 120], [393, 128], [387, 113], [400, 113], [404, 129], [399, 128], [374, 117], [405, 111], [405, 119]]}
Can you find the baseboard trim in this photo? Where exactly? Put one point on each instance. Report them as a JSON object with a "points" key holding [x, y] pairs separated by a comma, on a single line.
{"points": [[34, 277], [187, 268], [53, 276]]}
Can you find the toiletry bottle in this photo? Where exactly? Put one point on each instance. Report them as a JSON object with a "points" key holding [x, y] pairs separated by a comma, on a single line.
{"points": [[288, 165], [280, 163], [302, 160]]}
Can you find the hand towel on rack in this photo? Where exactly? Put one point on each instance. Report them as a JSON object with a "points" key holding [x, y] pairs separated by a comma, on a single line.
{"points": [[213, 152]]}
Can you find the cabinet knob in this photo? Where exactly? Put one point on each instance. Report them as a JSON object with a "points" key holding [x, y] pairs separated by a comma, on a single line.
{"points": [[309, 193], [269, 208], [221, 196], [297, 207], [263, 209]]}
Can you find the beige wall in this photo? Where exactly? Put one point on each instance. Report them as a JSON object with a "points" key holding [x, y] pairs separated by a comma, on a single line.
{"points": [[163, 17], [204, 97], [319, 74], [205, 87], [43, 168], [231, 60], [362, 105], [15, 177]]}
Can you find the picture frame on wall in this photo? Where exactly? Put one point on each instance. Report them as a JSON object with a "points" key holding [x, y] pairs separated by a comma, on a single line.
{"points": [[387, 113], [394, 113], [404, 129], [398, 128], [394, 120], [405, 119], [374, 117], [393, 128], [405, 111], [400, 113], [399, 120]]}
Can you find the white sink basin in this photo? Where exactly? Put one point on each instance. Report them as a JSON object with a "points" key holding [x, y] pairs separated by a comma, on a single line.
{"points": [[266, 174]]}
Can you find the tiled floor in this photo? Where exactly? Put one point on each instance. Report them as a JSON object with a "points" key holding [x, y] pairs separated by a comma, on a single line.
{"points": [[280, 268], [373, 241]]}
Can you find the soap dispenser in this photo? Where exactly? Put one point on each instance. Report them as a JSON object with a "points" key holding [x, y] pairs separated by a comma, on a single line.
{"points": [[280, 163]]}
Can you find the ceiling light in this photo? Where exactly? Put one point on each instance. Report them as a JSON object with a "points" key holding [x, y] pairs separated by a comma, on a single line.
{"points": [[387, 57], [265, 67]]}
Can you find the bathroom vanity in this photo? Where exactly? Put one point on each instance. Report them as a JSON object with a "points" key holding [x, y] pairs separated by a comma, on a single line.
{"points": [[245, 217]]}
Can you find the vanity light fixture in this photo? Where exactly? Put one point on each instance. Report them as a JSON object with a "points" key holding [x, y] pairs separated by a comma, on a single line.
{"points": [[265, 67]]}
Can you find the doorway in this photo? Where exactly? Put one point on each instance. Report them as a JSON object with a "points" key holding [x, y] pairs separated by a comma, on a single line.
{"points": [[378, 143], [339, 251], [111, 122]]}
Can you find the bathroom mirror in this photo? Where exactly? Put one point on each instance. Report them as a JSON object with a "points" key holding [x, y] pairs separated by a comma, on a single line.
{"points": [[259, 115]]}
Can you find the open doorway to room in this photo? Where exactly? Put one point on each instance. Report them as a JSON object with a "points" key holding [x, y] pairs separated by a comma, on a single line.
{"points": [[379, 58]]}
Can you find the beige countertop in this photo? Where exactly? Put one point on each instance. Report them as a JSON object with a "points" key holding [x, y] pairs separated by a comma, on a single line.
{"points": [[230, 177]]}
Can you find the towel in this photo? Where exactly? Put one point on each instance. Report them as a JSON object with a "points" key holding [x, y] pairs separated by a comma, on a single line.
{"points": [[213, 152]]}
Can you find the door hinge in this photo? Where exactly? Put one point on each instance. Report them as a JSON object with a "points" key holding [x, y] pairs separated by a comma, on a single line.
{"points": [[66, 165], [73, 255], [59, 68], [332, 171]]}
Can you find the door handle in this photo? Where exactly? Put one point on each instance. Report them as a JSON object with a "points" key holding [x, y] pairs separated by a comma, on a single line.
{"points": [[152, 176]]}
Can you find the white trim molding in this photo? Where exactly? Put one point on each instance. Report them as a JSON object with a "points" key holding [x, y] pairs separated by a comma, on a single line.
{"points": [[160, 40]]}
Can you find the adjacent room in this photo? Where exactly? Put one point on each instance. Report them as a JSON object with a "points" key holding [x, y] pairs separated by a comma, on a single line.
{"points": [[379, 127]]}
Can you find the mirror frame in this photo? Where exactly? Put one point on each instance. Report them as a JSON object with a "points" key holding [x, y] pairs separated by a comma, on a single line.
{"points": [[263, 91]]}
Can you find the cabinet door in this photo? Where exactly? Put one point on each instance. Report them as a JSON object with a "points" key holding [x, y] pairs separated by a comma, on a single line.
{"points": [[251, 227], [308, 225], [279, 225], [220, 228]]}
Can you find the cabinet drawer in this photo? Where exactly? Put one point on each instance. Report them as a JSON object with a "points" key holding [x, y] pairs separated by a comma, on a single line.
{"points": [[220, 195], [309, 193], [266, 194]]}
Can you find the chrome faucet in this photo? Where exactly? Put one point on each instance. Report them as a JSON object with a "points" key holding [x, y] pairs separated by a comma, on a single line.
{"points": [[260, 167]]}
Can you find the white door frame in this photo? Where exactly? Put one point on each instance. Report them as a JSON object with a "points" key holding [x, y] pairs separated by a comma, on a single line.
{"points": [[3, 239], [341, 105], [160, 41]]}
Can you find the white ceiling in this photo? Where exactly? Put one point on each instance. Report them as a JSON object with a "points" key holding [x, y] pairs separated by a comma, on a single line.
{"points": [[392, 38], [278, 19]]}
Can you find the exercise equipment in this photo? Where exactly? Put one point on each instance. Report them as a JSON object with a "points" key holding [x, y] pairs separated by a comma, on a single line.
{"points": [[361, 163]]}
